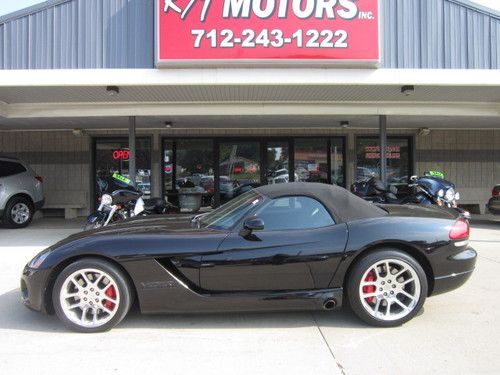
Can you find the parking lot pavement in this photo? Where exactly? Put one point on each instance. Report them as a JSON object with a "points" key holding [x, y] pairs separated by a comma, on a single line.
{"points": [[456, 333]]}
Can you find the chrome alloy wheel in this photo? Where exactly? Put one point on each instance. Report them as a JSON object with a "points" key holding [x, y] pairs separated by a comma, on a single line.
{"points": [[89, 298], [20, 213], [390, 289]]}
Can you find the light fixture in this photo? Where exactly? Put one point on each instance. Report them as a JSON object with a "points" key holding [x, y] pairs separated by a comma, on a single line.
{"points": [[344, 124], [169, 124], [113, 90], [407, 90], [424, 131], [77, 132]]}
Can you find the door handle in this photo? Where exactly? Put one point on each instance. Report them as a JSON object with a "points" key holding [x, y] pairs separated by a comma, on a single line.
{"points": [[207, 265]]}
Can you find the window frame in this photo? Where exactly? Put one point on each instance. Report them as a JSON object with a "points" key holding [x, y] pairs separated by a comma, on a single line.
{"points": [[93, 160], [268, 199], [14, 162], [411, 150], [263, 141]]}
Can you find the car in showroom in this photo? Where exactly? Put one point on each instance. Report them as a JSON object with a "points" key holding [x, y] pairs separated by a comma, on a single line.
{"points": [[494, 202], [296, 246], [21, 192]]}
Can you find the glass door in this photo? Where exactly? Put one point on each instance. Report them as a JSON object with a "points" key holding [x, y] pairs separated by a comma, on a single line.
{"points": [[111, 155], [399, 161], [311, 160], [278, 162], [239, 168]]}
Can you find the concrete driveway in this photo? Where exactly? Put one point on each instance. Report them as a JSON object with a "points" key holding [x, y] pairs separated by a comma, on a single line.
{"points": [[458, 332]]}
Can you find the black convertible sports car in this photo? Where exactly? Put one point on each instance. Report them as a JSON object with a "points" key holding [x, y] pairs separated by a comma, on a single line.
{"points": [[298, 246]]}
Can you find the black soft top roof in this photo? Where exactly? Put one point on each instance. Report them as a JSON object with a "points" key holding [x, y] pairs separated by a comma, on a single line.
{"points": [[8, 157], [342, 205]]}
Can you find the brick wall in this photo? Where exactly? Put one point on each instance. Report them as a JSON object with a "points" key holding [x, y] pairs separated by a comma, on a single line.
{"points": [[469, 158], [59, 157]]}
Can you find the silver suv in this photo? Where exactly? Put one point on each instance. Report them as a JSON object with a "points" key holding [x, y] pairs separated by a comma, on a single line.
{"points": [[21, 192]]}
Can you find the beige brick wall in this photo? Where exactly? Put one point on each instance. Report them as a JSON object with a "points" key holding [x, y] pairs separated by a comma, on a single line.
{"points": [[470, 158], [59, 157]]}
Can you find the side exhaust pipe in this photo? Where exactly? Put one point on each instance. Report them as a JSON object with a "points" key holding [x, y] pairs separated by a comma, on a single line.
{"points": [[329, 304]]}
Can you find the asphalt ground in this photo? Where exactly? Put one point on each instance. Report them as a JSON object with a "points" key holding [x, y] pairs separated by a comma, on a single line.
{"points": [[456, 333]]}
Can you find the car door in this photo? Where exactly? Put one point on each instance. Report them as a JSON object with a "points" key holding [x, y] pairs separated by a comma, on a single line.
{"points": [[299, 249]]}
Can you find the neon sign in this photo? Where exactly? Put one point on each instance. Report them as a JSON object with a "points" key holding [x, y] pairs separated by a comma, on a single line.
{"points": [[121, 154]]}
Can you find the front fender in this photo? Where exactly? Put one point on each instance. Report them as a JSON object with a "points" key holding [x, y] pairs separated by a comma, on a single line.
{"points": [[96, 217]]}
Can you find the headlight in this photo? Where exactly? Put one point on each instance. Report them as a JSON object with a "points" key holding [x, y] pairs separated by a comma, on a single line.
{"points": [[107, 199], [441, 193], [37, 261], [450, 194], [457, 196]]}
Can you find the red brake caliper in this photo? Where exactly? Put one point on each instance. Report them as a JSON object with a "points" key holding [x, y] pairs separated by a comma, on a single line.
{"points": [[370, 288], [111, 293]]}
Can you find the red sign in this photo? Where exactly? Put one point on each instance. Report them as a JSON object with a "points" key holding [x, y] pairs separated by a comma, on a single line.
{"points": [[373, 152], [271, 31], [121, 154]]}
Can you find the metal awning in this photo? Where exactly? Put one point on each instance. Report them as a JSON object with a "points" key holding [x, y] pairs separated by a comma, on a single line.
{"points": [[221, 96]]}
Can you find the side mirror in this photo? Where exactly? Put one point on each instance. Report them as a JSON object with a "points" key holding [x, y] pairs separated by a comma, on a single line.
{"points": [[251, 224], [254, 223]]}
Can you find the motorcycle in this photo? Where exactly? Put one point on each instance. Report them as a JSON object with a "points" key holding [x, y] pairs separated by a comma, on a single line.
{"points": [[431, 188], [373, 190], [120, 200]]}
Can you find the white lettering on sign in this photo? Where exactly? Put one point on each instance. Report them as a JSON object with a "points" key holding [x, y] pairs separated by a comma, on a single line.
{"points": [[262, 12], [349, 11], [170, 4], [219, 30], [303, 9]]}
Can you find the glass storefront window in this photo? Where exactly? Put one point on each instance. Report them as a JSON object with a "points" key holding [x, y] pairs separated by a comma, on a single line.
{"points": [[245, 164], [168, 166], [337, 161], [190, 162], [398, 160], [311, 160], [194, 162], [112, 155], [277, 163], [239, 166]]}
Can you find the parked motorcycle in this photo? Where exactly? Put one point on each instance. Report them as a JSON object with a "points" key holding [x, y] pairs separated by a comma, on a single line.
{"points": [[120, 200], [431, 188], [373, 190]]}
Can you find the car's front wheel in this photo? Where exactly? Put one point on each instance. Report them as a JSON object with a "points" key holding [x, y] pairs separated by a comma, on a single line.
{"points": [[19, 213], [91, 295], [387, 288]]}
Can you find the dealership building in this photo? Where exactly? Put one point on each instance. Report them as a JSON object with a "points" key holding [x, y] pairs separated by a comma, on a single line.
{"points": [[224, 93]]}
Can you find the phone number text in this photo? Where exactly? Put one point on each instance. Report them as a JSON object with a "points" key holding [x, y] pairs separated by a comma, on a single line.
{"points": [[274, 38]]}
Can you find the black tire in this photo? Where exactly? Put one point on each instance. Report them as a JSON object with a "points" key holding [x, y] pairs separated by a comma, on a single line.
{"points": [[14, 204], [124, 293], [360, 304]]}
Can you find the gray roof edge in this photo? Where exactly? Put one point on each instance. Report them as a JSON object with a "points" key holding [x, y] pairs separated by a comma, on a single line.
{"points": [[51, 3], [30, 10], [477, 7]]}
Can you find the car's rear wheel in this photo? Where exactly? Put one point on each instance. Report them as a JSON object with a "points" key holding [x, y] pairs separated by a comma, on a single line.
{"points": [[19, 213], [91, 295], [387, 288]]}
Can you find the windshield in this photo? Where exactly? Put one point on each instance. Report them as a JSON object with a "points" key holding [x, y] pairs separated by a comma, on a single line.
{"points": [[111, 183], [226, 216]]}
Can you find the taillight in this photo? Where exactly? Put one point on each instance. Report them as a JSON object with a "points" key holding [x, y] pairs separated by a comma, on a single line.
{"points": [[460, 230], [39, 178], [495, 192]]}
